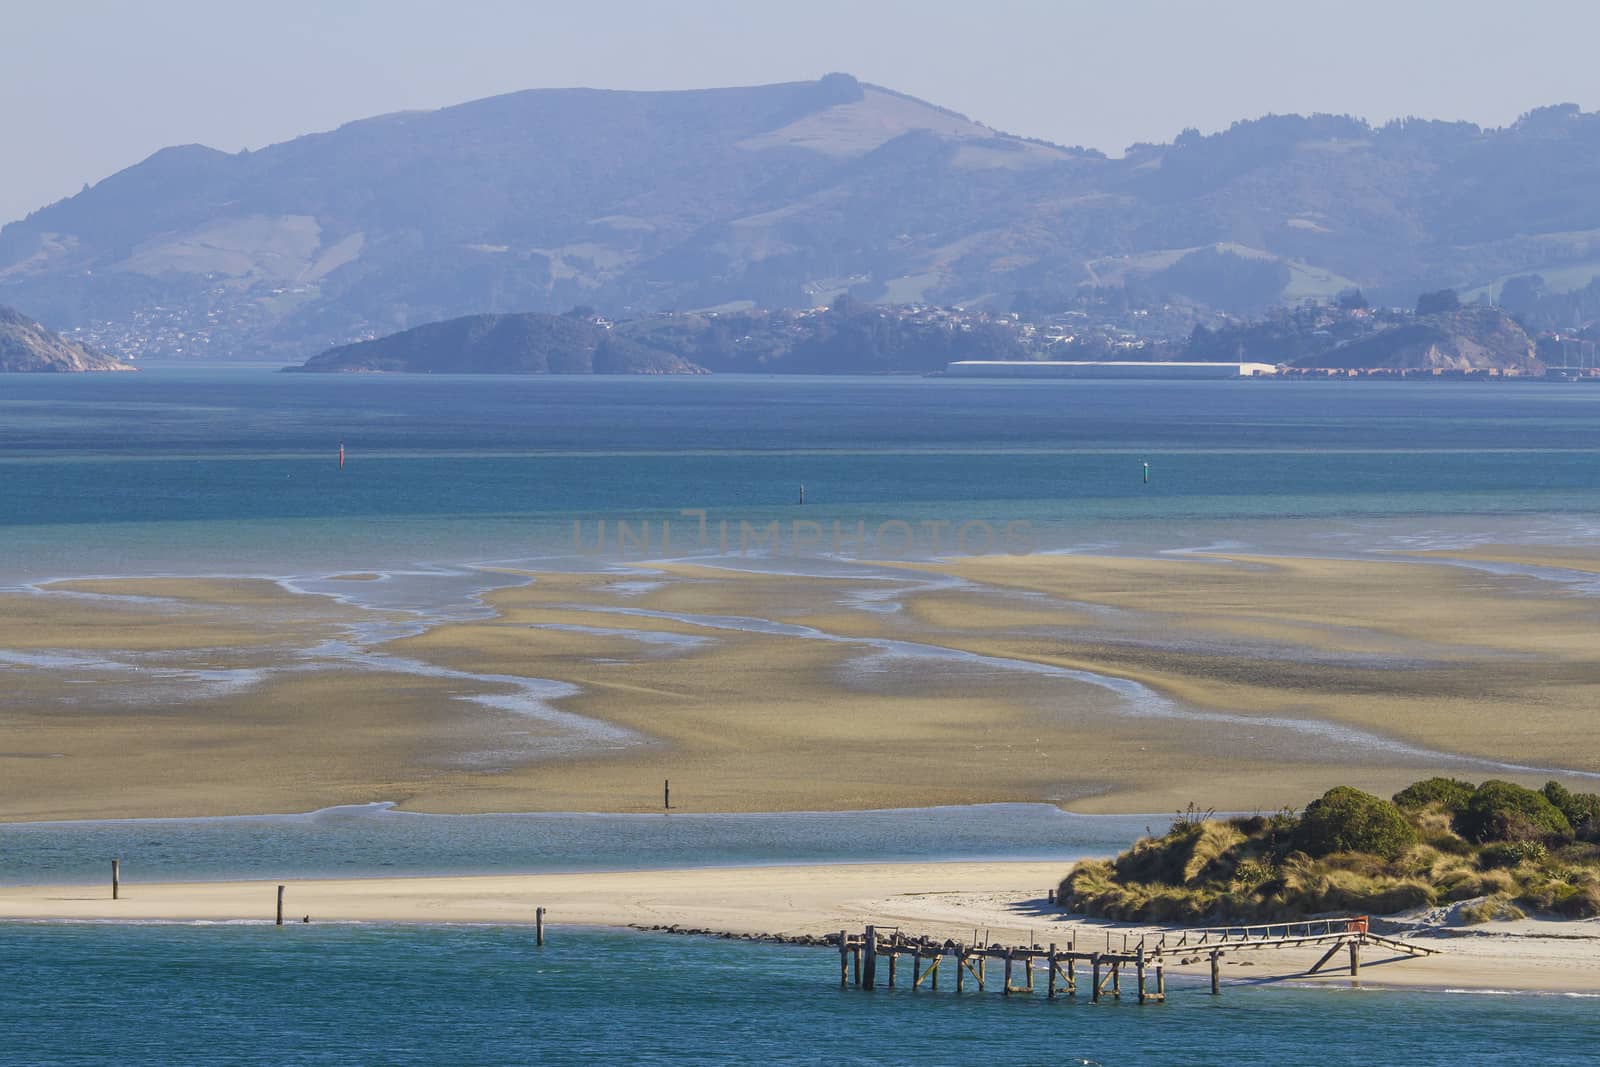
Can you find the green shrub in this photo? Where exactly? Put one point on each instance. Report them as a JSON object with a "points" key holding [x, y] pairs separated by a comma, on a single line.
{"points": [[1451, 794], [1504, 811], [1581, 809], [1511, 853], [1347, 820]]}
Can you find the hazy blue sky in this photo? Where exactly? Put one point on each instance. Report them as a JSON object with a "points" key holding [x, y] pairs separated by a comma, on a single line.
{"points": [[90, 86]]}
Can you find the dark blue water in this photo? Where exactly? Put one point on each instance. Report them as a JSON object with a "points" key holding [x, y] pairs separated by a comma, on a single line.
{"points": [[371, 995], [348, 842]]}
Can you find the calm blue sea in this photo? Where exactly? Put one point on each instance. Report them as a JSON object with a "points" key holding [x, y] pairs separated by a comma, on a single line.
{"points": [[235, 470], [481, 995]]}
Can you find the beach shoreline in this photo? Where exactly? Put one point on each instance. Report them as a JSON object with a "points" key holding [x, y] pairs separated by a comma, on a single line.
{"points": [[1001, 902]]}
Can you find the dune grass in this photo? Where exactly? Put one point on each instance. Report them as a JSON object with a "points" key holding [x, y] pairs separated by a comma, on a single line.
{"points": [[1494, 848]]}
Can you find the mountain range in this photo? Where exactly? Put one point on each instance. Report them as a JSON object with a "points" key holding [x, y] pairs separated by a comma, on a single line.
{"points": [[785, 196]]}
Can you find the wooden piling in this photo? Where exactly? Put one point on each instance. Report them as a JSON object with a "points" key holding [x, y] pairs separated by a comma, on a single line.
{"points": [[538, 927], [1008, 972], [869, 972], [666, 794], [280, 905], [1050, 986], [1355, 958], [961, 967], [983, 970], [116, 879], [1161, 982], [894, 958], [1139, 971], [916, 968], [1216, 973], [1095, 961], [1116, 979], [844, 959], [855, 960]]}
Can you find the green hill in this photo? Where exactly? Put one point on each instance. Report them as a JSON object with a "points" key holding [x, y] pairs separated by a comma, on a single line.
{"points": [[502, 344]]}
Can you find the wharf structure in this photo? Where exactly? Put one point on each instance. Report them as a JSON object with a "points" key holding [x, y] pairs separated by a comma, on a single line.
{"points": [[1150, 370], [1065, 967]]}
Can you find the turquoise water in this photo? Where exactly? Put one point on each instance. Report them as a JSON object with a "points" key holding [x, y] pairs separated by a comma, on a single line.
{"points": [[354, 841], [236, 471], [465, 995]]}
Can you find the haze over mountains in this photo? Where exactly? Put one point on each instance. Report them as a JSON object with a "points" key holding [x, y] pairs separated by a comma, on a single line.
{"points": [[786, 196]]}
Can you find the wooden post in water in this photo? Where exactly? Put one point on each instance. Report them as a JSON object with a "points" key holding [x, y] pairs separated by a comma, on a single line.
{"points": [[1072, 972], [916, 967], [1216, 973], [938, 958], [1355, 958], [280, 905], [844, 960], [116, 879], [1095, 960], [894, 958], [1008, 972], [1050, 986], [666, 794], [855, 959], [983, 969], [961, 967], [538, 926], [1116, 979], [1161, 981], [1139, 968], [869, 973]]}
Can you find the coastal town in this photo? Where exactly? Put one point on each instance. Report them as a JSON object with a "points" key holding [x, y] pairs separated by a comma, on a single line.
{"points": [[1317, 338]]}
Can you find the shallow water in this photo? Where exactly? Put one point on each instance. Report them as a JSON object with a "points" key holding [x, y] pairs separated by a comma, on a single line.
{"points": [[322, 994], [372, 840]]}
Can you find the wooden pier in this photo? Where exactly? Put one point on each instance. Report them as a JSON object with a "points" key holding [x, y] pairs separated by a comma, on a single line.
{"points": [[1144, 962]]}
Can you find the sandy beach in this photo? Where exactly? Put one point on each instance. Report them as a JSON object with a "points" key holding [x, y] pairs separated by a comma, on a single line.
{"points": [[1101, 684], [1004, 902]]}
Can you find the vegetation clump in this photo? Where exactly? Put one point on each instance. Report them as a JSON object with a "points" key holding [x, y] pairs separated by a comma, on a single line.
{"points": [[1451, 794], [1497, 849], [1505, 811], [1347, 820]]}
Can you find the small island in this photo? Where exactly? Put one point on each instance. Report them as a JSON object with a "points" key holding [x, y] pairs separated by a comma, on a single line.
{"points": [[531, 343], [1493, 851]]}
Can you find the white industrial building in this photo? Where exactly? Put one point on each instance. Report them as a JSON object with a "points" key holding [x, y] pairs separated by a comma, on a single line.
{"points": [[1028, 368]]}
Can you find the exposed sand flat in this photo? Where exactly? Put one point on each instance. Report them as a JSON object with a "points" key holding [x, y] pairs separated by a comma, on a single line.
{"points": [[1004, 901], [763, 692]]}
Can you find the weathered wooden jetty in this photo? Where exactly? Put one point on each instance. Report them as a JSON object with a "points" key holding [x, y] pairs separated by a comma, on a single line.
{"points": [[1144, 961]]}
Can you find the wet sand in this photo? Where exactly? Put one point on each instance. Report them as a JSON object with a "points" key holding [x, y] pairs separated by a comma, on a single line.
{"points": [[1101, 684]]}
